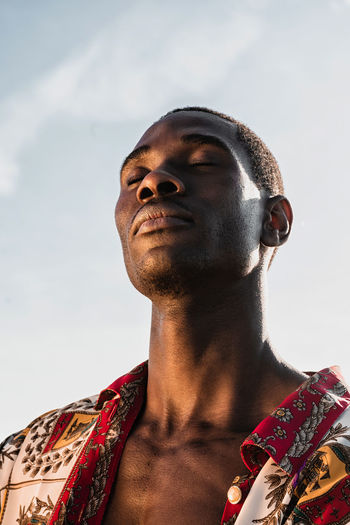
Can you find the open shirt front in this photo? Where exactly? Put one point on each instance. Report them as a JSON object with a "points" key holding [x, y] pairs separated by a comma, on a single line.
{"points": [[61, 468]]}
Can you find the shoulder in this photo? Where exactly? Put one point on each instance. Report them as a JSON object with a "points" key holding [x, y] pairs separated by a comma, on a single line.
{"points": [[62, 431], [64, 424], [38, 463]]}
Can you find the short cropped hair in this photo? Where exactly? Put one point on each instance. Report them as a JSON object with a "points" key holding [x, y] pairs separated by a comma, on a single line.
{"points": [[264, 167]]}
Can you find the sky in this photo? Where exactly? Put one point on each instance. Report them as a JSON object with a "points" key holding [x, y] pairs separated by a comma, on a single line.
{"points": [[80, 83]]}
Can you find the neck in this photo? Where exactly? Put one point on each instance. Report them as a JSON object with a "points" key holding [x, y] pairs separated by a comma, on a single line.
{"points": [[211, 362]]}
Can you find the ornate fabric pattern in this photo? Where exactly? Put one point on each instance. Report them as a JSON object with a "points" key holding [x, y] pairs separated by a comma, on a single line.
{"points": [[36, 461], [300, 458], [60, 469]]}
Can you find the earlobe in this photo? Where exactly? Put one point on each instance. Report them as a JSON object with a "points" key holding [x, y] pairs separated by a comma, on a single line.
{"points": [[278, 218]]}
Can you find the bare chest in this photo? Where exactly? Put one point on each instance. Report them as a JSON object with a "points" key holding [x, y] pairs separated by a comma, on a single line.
{"points": [[184, 484]]}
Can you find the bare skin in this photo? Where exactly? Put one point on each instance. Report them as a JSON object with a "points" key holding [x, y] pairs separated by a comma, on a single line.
{"points": [[197, 237]]}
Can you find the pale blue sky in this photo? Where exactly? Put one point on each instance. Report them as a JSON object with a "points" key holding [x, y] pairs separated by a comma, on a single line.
{"points": [[80, 81]]}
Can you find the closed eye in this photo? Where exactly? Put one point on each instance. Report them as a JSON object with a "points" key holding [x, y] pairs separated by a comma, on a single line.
{"points": [[136, 175], [133, 180], [202, 163]]}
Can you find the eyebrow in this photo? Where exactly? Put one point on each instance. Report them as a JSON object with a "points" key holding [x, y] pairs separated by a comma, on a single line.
{"points": [[198, 138], [192, 138], [135, 154]]}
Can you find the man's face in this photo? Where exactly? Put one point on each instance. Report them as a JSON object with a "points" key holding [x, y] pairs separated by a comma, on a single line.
{"points": [[187, 210]]}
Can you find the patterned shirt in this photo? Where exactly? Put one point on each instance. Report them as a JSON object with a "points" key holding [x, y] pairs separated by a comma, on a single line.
{"points": [[60, 469]]}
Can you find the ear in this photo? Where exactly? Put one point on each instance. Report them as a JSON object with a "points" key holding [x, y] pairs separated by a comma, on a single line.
{"points": [[278, 218]]}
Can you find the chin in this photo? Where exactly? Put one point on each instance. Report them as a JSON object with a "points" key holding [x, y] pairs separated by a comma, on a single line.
{"points": [[162, 273]]}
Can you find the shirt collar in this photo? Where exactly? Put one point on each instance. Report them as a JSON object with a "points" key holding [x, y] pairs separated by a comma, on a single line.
{"points": [[294, 429], [113, 390]]}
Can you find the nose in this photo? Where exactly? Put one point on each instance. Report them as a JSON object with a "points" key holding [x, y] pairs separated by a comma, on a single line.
{"points": [[159, 183]]}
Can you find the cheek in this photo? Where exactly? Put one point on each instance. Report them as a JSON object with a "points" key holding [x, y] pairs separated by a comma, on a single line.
{"points": [[241, 224], [121, 214], [116, 214], [251, 232], [251, 222]]}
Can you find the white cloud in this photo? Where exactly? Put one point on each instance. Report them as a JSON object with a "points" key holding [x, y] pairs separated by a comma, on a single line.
{"points": [[336, 5], [8, 173], [130, 70]]}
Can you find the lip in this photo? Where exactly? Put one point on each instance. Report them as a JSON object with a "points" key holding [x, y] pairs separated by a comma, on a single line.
{"points": [[153, 218]]}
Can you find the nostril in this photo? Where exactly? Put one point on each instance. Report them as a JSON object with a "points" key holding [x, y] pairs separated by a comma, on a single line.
{"points": [[166, 187], [146, 193], [158, 186]]}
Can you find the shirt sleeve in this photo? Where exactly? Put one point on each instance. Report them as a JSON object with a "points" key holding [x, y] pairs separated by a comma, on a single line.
{"points": [[9, 450]]}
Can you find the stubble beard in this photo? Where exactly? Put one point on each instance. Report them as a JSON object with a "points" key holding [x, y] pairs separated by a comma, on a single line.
{"points": [[191, 269], [171, 277]]}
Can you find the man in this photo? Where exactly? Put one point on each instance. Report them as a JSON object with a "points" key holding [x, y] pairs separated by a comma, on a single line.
{"points": [[194, 436]]}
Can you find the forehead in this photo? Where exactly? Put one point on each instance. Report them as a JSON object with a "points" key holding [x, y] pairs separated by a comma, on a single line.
{"points": [[171, 128]]}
